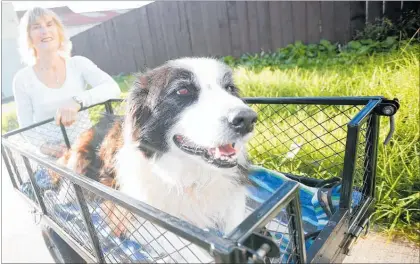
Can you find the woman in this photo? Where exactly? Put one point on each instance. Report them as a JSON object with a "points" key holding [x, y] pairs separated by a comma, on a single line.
{"points": [[54, 84]]}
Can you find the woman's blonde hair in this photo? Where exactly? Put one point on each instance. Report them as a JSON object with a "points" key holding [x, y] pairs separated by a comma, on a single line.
{"points": [[27, 50]]}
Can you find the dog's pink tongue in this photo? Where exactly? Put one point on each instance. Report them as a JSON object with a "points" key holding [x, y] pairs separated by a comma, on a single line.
{"points": [[227, 150]]}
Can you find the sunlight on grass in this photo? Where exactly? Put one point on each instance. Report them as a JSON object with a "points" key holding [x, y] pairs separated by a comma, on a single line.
{"points": [[391, 75]]}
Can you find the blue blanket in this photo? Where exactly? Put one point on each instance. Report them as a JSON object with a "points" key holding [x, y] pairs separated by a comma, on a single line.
{"points": [[317, 206]]}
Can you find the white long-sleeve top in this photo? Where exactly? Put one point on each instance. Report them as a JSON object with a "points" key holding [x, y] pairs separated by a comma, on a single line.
{"points": [[36, 102]]}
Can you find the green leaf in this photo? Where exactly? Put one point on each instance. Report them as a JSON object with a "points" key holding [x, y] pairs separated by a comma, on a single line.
{"points": [[354, 44]]}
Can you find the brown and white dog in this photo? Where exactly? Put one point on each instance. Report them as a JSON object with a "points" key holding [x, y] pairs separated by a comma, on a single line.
{"points": [[180, 146]]}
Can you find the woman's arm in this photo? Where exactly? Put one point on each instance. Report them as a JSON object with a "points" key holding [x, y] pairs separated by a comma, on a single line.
{"points": [[23, 102], [104, 87]]}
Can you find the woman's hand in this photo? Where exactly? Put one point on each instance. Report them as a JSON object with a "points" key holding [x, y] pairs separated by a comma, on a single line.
{"points": [[67, 114]]}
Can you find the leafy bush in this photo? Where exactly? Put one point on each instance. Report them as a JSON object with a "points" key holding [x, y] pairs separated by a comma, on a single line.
{"points": [[324, 54], [404, 28], [9, 122]]}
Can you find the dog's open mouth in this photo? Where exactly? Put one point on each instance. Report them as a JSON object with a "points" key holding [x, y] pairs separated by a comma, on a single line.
{"points": [[222, 156]]}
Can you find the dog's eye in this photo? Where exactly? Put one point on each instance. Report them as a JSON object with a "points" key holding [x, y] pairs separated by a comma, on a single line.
{"points": [[230, 88], [183, 91]]}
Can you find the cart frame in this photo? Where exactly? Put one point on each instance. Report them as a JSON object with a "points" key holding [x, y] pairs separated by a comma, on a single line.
{"points": [[243, 244]]}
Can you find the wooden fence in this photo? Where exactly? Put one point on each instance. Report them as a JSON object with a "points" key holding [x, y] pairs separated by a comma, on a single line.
{"points": [[163, 30]]}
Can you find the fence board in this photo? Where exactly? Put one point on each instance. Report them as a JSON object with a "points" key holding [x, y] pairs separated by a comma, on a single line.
{"points": [[211, 28], [287, 31], [168, 13], [275, 21], [393, 10], [197, 31], [374, 10], [145, 36], [264, 30], [253, 26], [157, 38], [241, 9], [82, 46], [138, 49], [234, 28], [327, 21], [123, 44], [98, 38], [313, 21], [183, 36], [357, 16], [150, 35], [299, 21], [411, 5], [342, 21], [114, 48], [224, 35]]}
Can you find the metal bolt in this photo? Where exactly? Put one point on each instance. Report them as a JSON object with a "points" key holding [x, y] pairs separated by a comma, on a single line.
{"points": [[388, 110], [263, 250]]}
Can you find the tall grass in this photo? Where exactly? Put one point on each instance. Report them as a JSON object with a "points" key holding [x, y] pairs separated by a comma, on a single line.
{"points": [[393, 74]]}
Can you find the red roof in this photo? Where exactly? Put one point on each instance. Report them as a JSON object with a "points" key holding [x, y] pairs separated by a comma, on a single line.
{"points": [[77, 19], [71, 18]]}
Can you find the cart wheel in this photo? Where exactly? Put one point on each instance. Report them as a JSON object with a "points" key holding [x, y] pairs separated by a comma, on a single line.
{"points": [[60, 251]]}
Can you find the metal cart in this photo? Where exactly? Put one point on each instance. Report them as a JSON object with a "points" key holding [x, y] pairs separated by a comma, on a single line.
{"points": [[323, 148]]}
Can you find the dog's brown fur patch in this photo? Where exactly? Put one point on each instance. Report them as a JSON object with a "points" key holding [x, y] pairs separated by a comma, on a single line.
{"points": [[109, 148], [116, 217], [80, 150]]}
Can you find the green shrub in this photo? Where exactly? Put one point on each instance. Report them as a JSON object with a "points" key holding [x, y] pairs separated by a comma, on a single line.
{"points": [[9, 122], [325, 54], [404, 28]]}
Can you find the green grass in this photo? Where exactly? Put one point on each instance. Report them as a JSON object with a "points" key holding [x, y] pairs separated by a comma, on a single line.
{"points": [[392, 74], [358, 71]]}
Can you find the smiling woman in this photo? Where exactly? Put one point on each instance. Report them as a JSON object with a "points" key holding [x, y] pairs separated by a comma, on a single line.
{"points": [[54, 84]]}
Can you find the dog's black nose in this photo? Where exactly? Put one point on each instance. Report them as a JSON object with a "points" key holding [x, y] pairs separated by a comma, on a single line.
{"points": [[242, 121]]}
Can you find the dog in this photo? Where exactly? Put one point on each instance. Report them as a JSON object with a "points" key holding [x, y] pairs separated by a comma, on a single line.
{"points": [[180, 146]]}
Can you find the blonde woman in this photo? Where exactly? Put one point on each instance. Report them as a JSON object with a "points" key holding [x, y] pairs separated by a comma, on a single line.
{"points": [[54, 84]]}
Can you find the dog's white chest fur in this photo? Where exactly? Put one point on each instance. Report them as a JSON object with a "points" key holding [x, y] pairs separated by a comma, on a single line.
{"points": [[191, 192]]}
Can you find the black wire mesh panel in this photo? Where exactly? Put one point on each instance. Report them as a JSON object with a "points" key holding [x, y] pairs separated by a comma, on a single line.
{"points": [[126, 237], [285, 230], [310, 140], [56, 192], [20, 173], [307, 140], [58, 198], [364, 163]]}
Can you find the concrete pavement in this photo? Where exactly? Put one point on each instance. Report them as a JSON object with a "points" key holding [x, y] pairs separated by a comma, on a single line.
{"points": [[21, 238]]}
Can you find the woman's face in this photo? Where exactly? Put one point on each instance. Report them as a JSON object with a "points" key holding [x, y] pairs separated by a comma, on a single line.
{"points": [[44, 35]]}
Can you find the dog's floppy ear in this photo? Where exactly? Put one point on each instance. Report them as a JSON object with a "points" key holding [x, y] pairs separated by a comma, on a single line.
{"points": [[143, 96], [147, 87], [142, 81]]}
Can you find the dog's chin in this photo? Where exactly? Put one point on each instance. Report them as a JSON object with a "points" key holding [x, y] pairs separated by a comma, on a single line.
{"points": [[223, 156]]}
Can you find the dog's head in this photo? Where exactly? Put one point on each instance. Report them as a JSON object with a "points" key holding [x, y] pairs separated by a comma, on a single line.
{"points": [[190, 108]]}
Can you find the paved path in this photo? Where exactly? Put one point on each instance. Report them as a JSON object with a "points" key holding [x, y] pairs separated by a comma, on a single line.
{"points": [[376, 248], [22, 241], [21, 238]]}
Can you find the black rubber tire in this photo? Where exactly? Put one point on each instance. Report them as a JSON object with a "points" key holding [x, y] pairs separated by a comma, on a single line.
{"points": [[60, 251]]}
